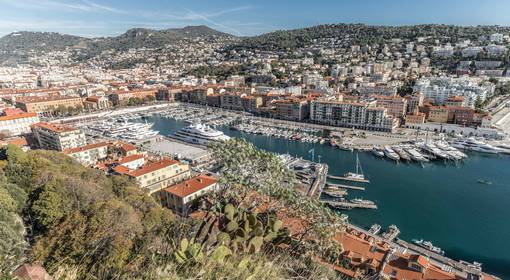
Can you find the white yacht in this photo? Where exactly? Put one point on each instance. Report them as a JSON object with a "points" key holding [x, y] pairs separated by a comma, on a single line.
{"points": [[199, 134], [415, 155], [391, 154], [472, 144]]}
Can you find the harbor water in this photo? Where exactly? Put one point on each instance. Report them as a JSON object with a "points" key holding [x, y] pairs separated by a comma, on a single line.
{"points": [[443, 203]]}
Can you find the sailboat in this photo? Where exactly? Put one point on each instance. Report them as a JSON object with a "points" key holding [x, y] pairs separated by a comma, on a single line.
{"points": [[358, 175]]}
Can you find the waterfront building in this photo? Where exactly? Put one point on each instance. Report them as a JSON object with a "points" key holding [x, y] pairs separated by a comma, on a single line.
{"points": [[52, 136], [231, 101], [180, 197], [121, 97], [415, 118], [292, 109], [358, 115], [397, 106], [156, 175], [96, 102], [251, 103], [46, 105], [89, 154], [213, 100], [439, 114], [17, 124]]}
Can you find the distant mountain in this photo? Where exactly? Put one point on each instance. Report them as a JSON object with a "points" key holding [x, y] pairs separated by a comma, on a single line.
{"points": [[142, 37], [133, 38], [39, 41]]}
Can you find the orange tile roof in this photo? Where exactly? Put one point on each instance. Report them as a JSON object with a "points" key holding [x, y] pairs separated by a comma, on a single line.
{"points": [[130, 158], [153, 166], [18, 116], [121, 169], [37, 99], [54, 127], [191, 186], [20, 141], [85, 148]]}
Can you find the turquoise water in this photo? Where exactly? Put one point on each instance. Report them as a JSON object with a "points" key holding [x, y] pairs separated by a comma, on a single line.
{"points": [[437, 202]]}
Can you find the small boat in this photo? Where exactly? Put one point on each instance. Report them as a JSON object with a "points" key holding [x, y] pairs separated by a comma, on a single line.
{"points": [[484, 182], [375, 229], [378, 152], [362, 201], [358, 175]]}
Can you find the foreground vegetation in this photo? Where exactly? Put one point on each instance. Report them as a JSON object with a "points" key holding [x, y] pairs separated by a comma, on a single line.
{"points": [[80, 224]]}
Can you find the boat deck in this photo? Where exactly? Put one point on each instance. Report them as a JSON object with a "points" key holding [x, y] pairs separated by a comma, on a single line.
{"points": [[348, 179], [343, 204], [345, 187]]}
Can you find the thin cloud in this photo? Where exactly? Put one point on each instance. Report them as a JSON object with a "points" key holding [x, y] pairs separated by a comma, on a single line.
{"points": [[52, 5]]}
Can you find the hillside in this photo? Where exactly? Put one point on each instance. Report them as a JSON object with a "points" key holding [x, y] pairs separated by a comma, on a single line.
{"points": [[363, 34], [133, 38], [38, 41]]}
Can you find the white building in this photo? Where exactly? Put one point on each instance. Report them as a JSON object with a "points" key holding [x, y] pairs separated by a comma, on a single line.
{"points": [[440, 88], [52, 136], [17, 124], [89, 154]]}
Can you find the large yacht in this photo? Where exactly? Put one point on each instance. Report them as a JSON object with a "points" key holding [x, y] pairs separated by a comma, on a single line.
{"points": [[199, 134], [472, 144]]}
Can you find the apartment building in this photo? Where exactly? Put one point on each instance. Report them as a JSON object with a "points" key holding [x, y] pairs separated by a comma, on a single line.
{"points": [[52, 136], [231, 101], [357, 115], [121, 97], [156, 175], [17, 124], [46, 105], [89, 154], [251, 103], [396, 106], [291, 109]]}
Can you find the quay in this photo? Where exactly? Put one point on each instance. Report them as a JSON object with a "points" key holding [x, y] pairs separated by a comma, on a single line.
{"points": [[349, 205], [339, 186], [348, 179]]}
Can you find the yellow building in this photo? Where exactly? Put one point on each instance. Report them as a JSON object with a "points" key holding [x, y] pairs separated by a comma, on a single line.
{"points": [[157, 175]]}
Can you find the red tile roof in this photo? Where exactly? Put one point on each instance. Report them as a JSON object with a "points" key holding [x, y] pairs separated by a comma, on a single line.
{"points": [[191, 186], [54, 127], [130, 158], [17, 116], [85, 148], [153, 166]]}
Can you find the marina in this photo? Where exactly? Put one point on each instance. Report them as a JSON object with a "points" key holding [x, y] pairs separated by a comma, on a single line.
{"points": [[416, 196]]}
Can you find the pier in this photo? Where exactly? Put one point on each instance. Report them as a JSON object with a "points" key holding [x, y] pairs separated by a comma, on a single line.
{"points": [[349, 205], [348, 179], [340, 186]]}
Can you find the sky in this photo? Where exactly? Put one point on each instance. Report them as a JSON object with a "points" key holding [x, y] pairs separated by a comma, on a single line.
{"points": [[96, 18]]}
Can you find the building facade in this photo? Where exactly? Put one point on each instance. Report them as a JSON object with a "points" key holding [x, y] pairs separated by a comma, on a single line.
{"points": [[51, 136], [18, 124]]}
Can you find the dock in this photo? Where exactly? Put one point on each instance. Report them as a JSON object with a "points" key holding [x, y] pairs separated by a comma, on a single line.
{"points": [[348, 179], [340, 186], [349, 205]]}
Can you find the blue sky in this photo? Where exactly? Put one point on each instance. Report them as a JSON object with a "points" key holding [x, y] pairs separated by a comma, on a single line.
{"points": [[93, 18]]}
